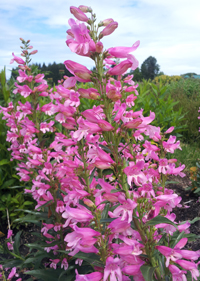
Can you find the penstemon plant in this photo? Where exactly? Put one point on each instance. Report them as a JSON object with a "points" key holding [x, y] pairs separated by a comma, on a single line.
{"points": [[100, 175]]}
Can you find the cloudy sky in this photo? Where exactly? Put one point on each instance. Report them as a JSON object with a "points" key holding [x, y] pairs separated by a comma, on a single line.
{"points": [[167, 29]]}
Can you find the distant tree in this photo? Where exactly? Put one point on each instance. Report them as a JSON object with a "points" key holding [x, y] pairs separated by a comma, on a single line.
{"points": [[150, 68], [137, 75], [161, 73]]}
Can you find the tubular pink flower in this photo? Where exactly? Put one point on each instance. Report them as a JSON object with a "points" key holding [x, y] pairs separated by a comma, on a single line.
{"points": [[80, 214], [112, 269], [190, 266], [79, 69], [121, 68], [78, 14], [69, 83], [125, 209], [94, 276], [122, 52], [110, 28], [177, 274], [90, 93], [132, 269], [17, 59], [105, 126], [133, 124], [79, 40]]}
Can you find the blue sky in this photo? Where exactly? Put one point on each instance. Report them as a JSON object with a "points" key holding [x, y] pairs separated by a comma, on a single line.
{"points": [[168, 30]]}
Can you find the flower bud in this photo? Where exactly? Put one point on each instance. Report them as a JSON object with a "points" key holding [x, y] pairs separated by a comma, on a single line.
{"points": [[110, 28], [85, 9], [88, 202], [105, 22], [99, 47], [28, 41], [78, 14], [33, 52]]}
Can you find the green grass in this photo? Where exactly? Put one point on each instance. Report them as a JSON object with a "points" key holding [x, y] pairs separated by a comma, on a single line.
{"points": [[188, 156]]}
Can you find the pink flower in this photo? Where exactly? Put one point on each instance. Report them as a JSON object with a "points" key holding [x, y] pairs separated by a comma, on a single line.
{"points": [[121, 68], [125, 209], [94, 276], [105, 126], [10, 233], [12, 273], [193, 267], [122, 52], [172, 254], [170, 145], [64, 264], [80, 214], [78, 69], [177, 274], [17, 59], [79, 40], [78, 14], [54, 263], [112, 270], [82, 239]]}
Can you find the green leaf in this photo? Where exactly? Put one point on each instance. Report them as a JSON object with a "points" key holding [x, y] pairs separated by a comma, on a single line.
{"points": [[92, 175], [89, 257], [4, 162], [38, 214], [158, 220], [16, 244], [13, 263], [46, 204], [107, 220], [104, 214], [18, 186], [105, 148], [116, 190], [147, 272], [45, 274], [174, 182]]}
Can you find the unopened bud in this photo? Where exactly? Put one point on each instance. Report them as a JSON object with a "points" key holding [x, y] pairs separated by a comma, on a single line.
{"points": [[99, 47], [105, 22], [85, 9], [108, 29], [33, 52], [78, 14], [172, 160], [21, 39], [30, 47], [28, 41], [88, 202]]}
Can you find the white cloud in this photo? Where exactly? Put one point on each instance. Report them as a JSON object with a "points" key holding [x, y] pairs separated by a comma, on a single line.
{"points": [[167, 29]]}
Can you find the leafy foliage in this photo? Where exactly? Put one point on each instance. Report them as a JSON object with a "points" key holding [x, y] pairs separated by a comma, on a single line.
{"points": [[156, 98]]}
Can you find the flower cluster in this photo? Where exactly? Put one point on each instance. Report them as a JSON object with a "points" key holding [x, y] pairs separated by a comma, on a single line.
{"points": [[103, 174]]}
